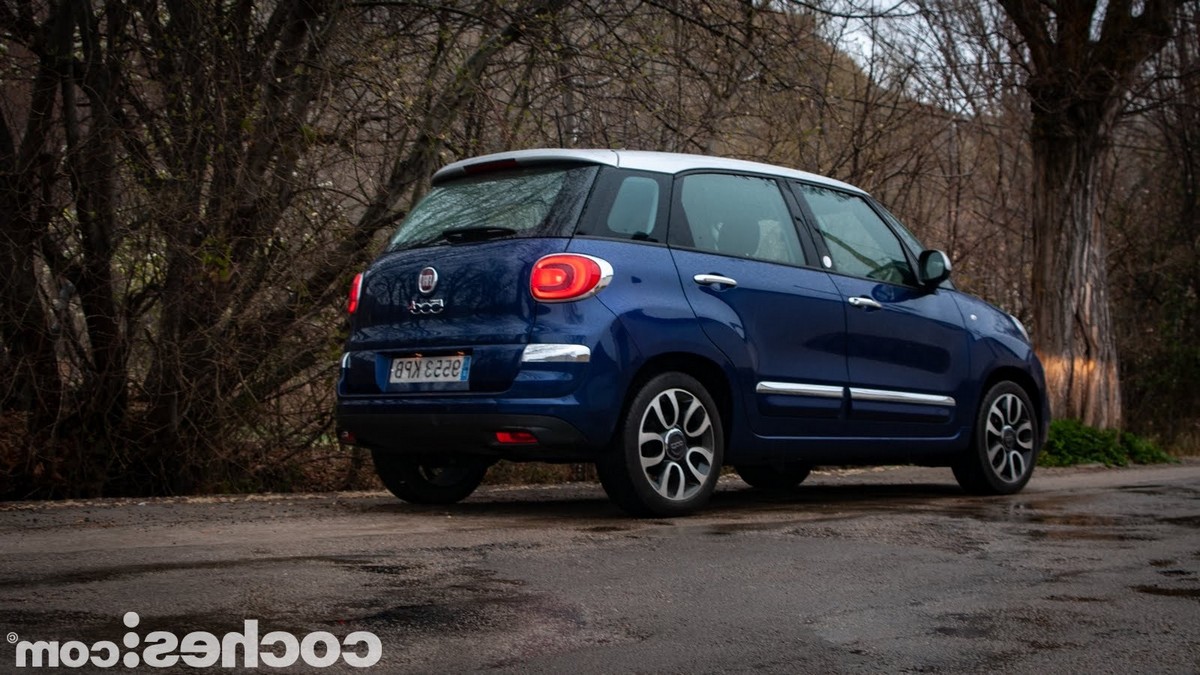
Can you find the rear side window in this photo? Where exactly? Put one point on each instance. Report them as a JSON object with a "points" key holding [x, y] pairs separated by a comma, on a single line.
{"points": [[540, 202], [741, 216], [858, 240], [627, 205], [634, 210]]}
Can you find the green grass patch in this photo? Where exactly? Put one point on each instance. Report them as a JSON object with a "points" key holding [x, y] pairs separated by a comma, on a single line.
{"points": [[1072, 442]]}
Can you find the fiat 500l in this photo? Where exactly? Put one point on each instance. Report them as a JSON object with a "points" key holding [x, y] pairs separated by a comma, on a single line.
{"points": [[663, 315]]}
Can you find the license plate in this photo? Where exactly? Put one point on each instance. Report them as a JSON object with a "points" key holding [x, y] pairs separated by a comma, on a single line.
{"points": [[417, 369]]}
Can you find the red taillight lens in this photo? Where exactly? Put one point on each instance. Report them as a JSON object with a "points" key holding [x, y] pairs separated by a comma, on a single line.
{"points": [[566, 276], [516, 438], [355, 292]]}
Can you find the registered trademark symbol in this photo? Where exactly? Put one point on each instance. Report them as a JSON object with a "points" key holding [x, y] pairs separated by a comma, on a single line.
{"points": [[12, 638]]}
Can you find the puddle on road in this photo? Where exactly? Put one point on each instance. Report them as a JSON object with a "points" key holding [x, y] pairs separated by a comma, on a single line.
{"points": [[1183, 521], [1158, 490], [1089, 535], [459, 616], [1193, 593], [1177, 573], [963, 632], [89, 627], [112, 573], [607, 528], [730, 529], [1051, 520], [391, 570], [1072, 599], [967, 626], [1077, 519]]}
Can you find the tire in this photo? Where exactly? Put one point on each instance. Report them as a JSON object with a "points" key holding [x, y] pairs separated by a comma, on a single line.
{"points": [[666, 456], [1004, 443], [416, 481], [770, 477]]}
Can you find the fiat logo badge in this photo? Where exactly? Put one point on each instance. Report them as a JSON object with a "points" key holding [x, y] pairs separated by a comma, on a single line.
{"points": [[427, 280]]}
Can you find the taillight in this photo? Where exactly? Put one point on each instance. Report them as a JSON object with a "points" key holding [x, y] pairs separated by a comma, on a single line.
{"points": [[519, 437], [568, 276], [355, 293]]}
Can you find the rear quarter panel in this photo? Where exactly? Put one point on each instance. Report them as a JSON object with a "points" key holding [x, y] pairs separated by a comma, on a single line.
{"points": [[646, 296]]}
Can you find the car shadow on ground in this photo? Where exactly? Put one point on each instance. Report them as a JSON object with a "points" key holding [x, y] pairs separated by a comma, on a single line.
{"points": [[586, 501]]}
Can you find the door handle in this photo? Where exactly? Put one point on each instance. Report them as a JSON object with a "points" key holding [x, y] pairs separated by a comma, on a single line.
{"points": [[714, 280], [864, 303]]}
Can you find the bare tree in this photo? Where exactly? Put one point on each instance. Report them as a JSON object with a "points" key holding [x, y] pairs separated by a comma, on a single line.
{"points": [[1082, 58], [186, 186], [1153, 217], [182, 234]]}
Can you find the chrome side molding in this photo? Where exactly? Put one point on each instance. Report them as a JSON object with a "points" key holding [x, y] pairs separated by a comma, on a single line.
{"points": [[856, 393], [889, 396], [797, 389]]}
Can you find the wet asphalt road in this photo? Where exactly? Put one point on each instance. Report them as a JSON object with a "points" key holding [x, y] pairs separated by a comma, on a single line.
{"points": [[1088, 570]]}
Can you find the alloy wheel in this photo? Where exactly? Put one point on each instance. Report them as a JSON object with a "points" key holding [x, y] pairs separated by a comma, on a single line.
{"points": [[1009, 438], [675, 444]]}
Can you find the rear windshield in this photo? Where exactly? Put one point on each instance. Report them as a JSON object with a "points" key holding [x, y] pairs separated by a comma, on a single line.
{"points": [[539, 202]]}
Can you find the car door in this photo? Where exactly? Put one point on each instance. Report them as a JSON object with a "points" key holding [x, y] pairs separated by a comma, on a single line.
{"points": [[776, 317], [906, 346]]}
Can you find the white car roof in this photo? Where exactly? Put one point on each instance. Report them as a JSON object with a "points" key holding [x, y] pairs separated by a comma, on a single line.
{"points": [[641, 160]]}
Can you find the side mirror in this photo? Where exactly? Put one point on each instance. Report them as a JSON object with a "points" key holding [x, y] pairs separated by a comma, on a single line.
{"points": [[933, 267]]}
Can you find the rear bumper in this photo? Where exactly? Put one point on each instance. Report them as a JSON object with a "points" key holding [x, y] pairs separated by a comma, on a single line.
{"points": [[465, 434]]}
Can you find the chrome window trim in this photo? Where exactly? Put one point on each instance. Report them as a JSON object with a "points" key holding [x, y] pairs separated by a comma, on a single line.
{"points": [[798, 389], [556, 353], [888, 396]]}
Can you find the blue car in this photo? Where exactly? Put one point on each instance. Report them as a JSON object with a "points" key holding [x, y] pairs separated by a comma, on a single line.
{"points": [[663, 315]]}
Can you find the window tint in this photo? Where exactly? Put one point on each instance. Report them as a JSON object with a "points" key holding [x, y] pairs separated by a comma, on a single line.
{"points": [[627, 205], [909, 238], [524, 202], [858, 240], [742, 216], [635, 207]]}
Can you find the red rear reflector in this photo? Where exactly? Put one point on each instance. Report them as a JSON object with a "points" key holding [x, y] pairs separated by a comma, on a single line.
{"points": [[568, 276], [515, 438], [485, 167], [355, 292]]}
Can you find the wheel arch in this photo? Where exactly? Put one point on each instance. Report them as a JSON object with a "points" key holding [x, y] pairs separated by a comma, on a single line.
{"points": [[708, 372], [1026, 382]]}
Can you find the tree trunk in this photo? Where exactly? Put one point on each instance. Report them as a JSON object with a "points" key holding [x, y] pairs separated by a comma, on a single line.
{"points": [[1072, 325], [1082, 59]]}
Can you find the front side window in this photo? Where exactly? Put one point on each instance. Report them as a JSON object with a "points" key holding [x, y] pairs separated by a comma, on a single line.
{"points": [[858, 240], [740, 216], [540, 202], [910, 239]]}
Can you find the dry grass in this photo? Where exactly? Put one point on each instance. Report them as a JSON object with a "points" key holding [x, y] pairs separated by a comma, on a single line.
{"points": [[538, 473], [1186, 444]]}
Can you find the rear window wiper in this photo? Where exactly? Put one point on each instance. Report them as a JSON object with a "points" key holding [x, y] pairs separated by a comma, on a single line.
{"points": [[462, 235]]}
